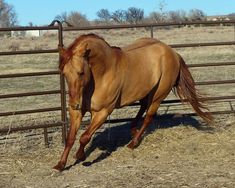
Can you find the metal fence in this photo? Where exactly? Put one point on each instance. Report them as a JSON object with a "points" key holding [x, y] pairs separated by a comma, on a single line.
{"points": [[57, 26], [61, 91]]}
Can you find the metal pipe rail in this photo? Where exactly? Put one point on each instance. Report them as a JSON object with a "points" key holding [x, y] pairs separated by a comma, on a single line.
{"points": [[27, 52], [57, 26], [14, 95], [29, 111], [62, 93], [40, 126], [28, 28], [147, 25], [211, 64], [17, 75], [190, 45]]}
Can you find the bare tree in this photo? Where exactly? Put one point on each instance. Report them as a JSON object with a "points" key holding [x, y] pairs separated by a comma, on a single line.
{"points": [[161, 15], [196, 14], [134, 15], [118, 16], [162, 4], [77, 19], [156, 17], [177, 16], [73, 18], [231, 16], [104, 15], [62, 17], [8, 17]]}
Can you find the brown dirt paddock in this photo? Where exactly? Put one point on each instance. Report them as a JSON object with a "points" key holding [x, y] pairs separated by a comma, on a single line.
{"points": [[175, 152]]}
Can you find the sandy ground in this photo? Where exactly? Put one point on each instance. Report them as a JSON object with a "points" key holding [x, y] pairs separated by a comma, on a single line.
{"points": [[171, 154]]}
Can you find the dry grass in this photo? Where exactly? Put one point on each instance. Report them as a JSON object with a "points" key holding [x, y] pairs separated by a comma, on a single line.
{"points": [[172, 156]]}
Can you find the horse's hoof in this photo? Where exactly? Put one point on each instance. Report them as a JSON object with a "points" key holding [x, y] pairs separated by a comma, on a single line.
{"points": [[132, 145], [59, 167], [79, 157], [82, 158]]}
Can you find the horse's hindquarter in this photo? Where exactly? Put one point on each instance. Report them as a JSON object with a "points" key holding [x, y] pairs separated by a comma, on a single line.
{"points": [[145, 66]]}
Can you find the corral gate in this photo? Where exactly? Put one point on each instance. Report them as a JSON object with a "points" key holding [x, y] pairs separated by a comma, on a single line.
{"points": [[57, 26]]}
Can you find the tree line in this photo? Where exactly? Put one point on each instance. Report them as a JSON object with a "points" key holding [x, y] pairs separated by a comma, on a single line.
{"points": [[8, 16], [132, 15]]}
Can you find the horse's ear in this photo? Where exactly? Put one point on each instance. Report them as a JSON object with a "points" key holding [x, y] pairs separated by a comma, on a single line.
{"points": [[86, 54]]}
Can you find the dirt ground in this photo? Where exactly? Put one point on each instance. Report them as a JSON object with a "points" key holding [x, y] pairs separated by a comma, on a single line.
{"points": [[175, 152]]}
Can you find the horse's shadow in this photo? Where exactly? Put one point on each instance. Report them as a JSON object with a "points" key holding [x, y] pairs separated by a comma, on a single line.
{"points": [[114, 137]]}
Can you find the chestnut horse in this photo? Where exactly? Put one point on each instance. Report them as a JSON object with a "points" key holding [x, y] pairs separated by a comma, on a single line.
{"points": [[101, 78]]}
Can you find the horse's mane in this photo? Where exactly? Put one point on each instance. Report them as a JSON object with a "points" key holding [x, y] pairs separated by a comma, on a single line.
{"points": [[82, 37], [69, 50]]}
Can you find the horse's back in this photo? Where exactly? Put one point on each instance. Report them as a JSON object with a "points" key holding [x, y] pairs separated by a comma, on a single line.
{"points": [[150, 52], [140, 43]]}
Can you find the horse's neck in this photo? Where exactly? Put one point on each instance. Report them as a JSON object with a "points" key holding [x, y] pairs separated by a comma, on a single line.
{"points": [[105, 83], [102, 63]]}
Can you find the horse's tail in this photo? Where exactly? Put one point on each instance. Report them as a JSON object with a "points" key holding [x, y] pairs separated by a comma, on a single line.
{"points": [[185, 88]]}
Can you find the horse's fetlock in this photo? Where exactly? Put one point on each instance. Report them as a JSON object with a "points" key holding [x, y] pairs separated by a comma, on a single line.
{"points": [[84, 139]]}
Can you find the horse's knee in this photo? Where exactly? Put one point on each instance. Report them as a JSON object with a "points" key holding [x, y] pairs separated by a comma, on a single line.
{"points": [[85, 138]]}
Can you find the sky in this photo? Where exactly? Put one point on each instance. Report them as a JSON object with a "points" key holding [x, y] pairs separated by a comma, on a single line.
{"points": [[42, 12]]}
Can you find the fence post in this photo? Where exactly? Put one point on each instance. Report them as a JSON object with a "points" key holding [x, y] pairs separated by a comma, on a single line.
{"points": [[234, 30], [62, 85], [63, 90], [46, 140], [151, 31]]}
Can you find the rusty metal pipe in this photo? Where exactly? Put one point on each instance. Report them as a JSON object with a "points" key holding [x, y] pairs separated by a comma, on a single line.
{"points": [[125, 26], [26, 52], [14, 95], [39, 126], [30, 111], [189, 45], [17, 75]]}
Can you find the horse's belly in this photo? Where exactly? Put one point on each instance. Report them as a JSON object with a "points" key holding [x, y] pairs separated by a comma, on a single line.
{"points": [[136, 92], [129, 100]]}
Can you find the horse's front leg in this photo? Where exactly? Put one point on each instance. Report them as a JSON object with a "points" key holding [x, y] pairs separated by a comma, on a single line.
{"points": [[98, 118], [75, 118]]}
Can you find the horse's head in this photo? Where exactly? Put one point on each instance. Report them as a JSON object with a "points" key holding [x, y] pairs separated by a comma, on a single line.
{"points": [[74, 66], [86, 53]]}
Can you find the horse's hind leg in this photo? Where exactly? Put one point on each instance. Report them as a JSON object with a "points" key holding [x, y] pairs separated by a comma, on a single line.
{"points": [[161, 93], [143, 107], [147, 120]]}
